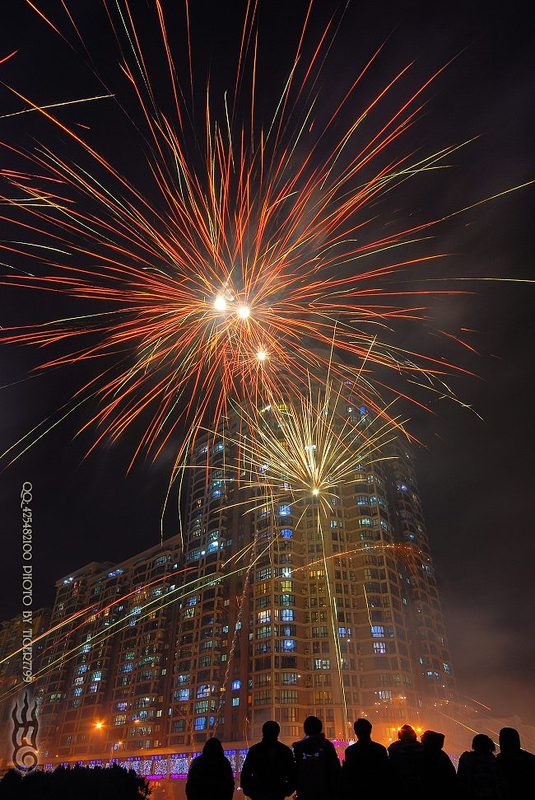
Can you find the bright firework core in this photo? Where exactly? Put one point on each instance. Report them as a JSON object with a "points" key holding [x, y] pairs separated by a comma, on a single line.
{"points": [[220, 303], [243, 312], [261, 354]]}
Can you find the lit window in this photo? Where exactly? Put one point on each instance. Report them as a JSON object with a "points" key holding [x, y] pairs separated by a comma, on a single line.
{"points": [[384, 694], [289, 644], [289, 677], [236, 685], [287, 533], [115, 572], [235, 701], [285, 511], [200, 724], [379, 648], [287, 615], [378, 631]]}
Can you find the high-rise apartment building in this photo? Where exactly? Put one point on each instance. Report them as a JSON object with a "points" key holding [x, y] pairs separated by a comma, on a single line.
{"points": [[258, 610], [107, 669], [334, 613]]}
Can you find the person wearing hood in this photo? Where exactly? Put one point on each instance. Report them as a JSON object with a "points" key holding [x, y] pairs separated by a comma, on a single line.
{"points": [[439, 776], [478, 771], [317, 765], [406, 760], [268, 772], [210, 774]]}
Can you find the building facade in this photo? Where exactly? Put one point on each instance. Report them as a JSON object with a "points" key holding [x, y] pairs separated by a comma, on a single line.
{"points": [[257, 611], [334, 613]]}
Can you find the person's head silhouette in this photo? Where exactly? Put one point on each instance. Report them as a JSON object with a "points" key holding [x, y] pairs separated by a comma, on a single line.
{"points": [[363, 729], [407, 734], [432, 740], [271, 730], [213, 748], [481, 743], [509, 740], [313, 726]]}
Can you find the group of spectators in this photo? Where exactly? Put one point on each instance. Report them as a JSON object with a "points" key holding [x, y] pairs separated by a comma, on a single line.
{"points": [[407, 769]]}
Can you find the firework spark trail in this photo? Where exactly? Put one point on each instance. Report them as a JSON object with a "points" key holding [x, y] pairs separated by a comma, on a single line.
{"points": [[220, 288], [305, 447]]}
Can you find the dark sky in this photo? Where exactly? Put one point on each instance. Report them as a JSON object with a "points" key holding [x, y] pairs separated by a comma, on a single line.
{"points": [[476, 477]]}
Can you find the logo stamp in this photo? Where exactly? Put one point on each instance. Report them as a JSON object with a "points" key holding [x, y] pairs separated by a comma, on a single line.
{"points": [[24, 735]]}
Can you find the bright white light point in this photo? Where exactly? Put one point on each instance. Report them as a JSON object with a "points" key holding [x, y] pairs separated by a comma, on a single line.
{"points": [[220, 304], [261, 355], [315, 492], [243, 312]]}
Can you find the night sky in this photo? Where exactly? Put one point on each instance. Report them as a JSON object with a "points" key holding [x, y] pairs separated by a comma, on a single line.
{"points": [[476, 477]]}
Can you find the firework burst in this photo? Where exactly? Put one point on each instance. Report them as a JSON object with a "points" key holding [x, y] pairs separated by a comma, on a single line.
{"points": [[308, 447], [222, 288]]}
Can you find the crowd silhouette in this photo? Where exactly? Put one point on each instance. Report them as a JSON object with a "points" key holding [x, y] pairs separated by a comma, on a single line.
{"points": [[407, 769], [82, 783], [311, 769]]}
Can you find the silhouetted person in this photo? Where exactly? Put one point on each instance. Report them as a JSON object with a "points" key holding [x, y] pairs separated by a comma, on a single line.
{"points": [[406, 761], [268, 772], [366, 768], [438, 773], [317, 765], [516, 767], [210, 774], [478, 771]]}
